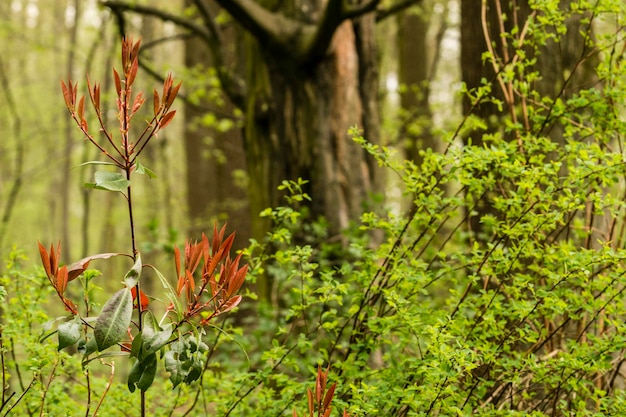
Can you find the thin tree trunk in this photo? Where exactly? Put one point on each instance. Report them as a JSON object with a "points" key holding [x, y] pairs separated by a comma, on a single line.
{"points": [[214, 157], [69, 139], [414, 59], [18, 167]]}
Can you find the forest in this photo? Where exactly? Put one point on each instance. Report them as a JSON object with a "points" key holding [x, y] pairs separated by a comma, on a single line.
{"points": [[319, 208]]}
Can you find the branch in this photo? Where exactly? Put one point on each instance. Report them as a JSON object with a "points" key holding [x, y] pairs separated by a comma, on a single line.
{"points": [[232, 86], [382, 14], [183, 97], [351, 11], [121, 6], [208, 20], [274, 30], [303, 42]]}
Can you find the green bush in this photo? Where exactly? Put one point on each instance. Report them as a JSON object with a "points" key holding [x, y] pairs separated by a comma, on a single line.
{"points": [[499, 291]]}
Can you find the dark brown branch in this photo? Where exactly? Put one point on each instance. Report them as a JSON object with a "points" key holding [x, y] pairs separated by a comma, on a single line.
{"points": [[121, 6], [303, 42], [208, 20], [351, 11], [154, 74], [232, 86], [274, 30]]}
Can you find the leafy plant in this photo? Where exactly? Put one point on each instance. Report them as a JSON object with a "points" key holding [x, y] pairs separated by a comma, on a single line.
{"points": [[208, 277]]}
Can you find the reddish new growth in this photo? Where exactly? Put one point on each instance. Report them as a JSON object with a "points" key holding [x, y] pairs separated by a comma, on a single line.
{"points": [[58, 276], [319, 401], [126, 152], [216, 293]]}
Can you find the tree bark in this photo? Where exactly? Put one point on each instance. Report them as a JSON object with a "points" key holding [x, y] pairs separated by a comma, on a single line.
{"points": [[413, 75], [213, 159], [297, 121]]}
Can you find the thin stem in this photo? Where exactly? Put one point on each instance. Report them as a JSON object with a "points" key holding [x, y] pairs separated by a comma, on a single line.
{"points": [[47, 388], [4, 374], [108, 386], [88, 391], [32, 381], [137, 285]]}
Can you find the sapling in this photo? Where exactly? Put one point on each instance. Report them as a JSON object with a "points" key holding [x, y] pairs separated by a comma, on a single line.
{"points": [[207, 276]]}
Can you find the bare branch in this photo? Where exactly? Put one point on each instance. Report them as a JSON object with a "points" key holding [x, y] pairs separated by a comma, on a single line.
{"points": [[274, 30], [233, 87], [208, 20], [351, 11], [160, 14]]}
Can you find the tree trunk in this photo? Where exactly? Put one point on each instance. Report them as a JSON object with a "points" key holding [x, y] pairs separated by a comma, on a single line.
{"points": [[413, 76], [297, 122], [214, 158]]}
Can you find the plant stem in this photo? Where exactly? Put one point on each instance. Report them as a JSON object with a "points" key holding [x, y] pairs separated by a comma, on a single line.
{"points": [[137, 286], [88, 391]]}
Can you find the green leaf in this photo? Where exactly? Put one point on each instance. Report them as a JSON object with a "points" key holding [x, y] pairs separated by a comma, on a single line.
{"points": [[142, 169], [142, 374], [173, 365], [171, 294], [97, 163], [185, 359], [87, 347], [69, 333], [114, 319], [159, 339], [111, 181], [135, 347], [132, 276]]}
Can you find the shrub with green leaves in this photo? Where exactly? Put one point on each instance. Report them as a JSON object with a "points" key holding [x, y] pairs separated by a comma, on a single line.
{"points": [[208, 279], [500, 290]]}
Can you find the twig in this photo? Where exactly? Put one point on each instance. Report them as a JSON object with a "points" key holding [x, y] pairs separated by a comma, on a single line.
{"points": [[106, 389]]}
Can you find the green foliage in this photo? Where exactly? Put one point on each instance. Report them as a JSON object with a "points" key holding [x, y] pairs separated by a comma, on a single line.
{"points": [[499, 290]]}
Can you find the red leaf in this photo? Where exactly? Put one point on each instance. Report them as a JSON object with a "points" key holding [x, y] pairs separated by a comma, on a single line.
{"points": [[139, 100], [157, 103], [132, 73], [329, 396], [81, 108], [78, 267], [235, 282], [142, 296], [74, 91], [230, 304], [172, 95], [167, 86], [126, 51], [45, 259], [97, 97], [135, 51], [165, 120], [118, 83], [61, 281], [54, 258], [67, 95], [309, 397], [191, 285]]}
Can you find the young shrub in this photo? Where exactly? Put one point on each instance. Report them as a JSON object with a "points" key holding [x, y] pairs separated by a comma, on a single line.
{"points": [[208, 279]]}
